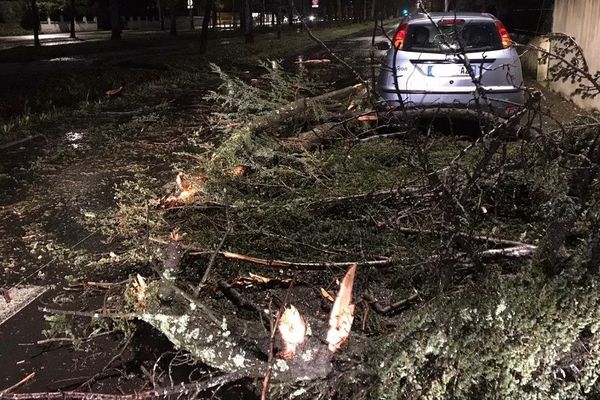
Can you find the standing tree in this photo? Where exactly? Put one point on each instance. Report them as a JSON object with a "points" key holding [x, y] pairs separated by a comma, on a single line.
{"points": [[262, 12], [31, 20], [248, 28], [204, 35], [73, 19], [233, 17], [115, 20], [161, 14], [279, 17], [172, 4]]}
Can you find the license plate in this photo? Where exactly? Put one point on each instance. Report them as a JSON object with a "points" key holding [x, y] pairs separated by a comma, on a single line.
{"points": [[448, 70]]}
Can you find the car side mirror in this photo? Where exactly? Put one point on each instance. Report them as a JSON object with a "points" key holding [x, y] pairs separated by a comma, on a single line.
{"points": [[383, 45]]}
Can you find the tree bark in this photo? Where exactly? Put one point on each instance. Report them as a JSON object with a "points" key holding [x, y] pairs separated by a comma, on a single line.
{"points": [[161, 14], [273, 119], [233, 14], [278, 20], [242, 16], [173, 14], [315, 138], [115, 20], [205, 20], [72, 19], [364, 11], [339, 10], [36, 23], [248, 32]]}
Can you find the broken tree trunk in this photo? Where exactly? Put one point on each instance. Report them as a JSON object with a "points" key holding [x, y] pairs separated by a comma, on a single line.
{"points": [[221, 338], [315, 138], [297, 107], [230, 344], [227, 154]]}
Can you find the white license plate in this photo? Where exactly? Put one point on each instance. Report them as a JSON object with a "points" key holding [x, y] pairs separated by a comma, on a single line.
{"points": [[448, 70]]}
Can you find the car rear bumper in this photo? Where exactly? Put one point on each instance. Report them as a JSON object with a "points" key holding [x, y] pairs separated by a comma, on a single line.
{"points": [[495, 104]]}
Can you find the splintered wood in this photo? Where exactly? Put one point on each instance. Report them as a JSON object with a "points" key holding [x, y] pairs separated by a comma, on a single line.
{"points": [[292, 330], [342, 313], [187, 191]]}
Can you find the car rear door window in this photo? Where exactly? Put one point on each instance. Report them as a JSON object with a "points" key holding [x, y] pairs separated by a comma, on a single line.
{"points": [[472, 36]]}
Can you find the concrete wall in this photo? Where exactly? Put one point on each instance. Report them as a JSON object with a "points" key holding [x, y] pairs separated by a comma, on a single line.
{"points": [[581, 19], [132, 23], [531, 60], [65, 26]]}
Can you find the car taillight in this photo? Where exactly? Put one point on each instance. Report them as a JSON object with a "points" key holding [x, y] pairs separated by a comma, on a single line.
{"points": [[504, 36], [400, 36]]}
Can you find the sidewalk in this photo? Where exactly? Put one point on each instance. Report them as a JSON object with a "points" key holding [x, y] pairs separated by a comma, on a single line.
{"points": [[51, 39]]}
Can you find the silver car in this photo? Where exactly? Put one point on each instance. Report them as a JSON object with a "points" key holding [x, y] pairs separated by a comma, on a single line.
{"points": [[445, 62]]}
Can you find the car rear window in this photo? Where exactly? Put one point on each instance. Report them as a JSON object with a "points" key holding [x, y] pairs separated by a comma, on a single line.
{"points": [[474, 36]]}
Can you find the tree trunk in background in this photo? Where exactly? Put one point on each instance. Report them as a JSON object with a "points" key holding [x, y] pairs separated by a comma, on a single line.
{"points": [[161, 14], [173, 15], [204, 34], [279, 15], [374, 16], [242, 16], [291, 12], [215, 19], [363, 16], [339, 10], [72, 19], [301, 15], [36, 23], [115, 20], [234, 15], [248, 33]]}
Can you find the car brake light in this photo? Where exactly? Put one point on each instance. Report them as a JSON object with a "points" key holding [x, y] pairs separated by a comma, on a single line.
{"points": [[504, 36], [451, 21], [400, 36]]}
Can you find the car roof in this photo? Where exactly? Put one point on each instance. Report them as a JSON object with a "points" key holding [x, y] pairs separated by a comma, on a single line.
{"points": [[471, 16]]}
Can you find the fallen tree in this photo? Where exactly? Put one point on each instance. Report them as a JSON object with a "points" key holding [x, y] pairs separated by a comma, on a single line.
{"points": [[265, 227]]}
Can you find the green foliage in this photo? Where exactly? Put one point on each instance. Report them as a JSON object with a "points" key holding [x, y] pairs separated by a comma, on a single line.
{"points": [[11, 11], [244, 100], [28, 20], [513, 337]]}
